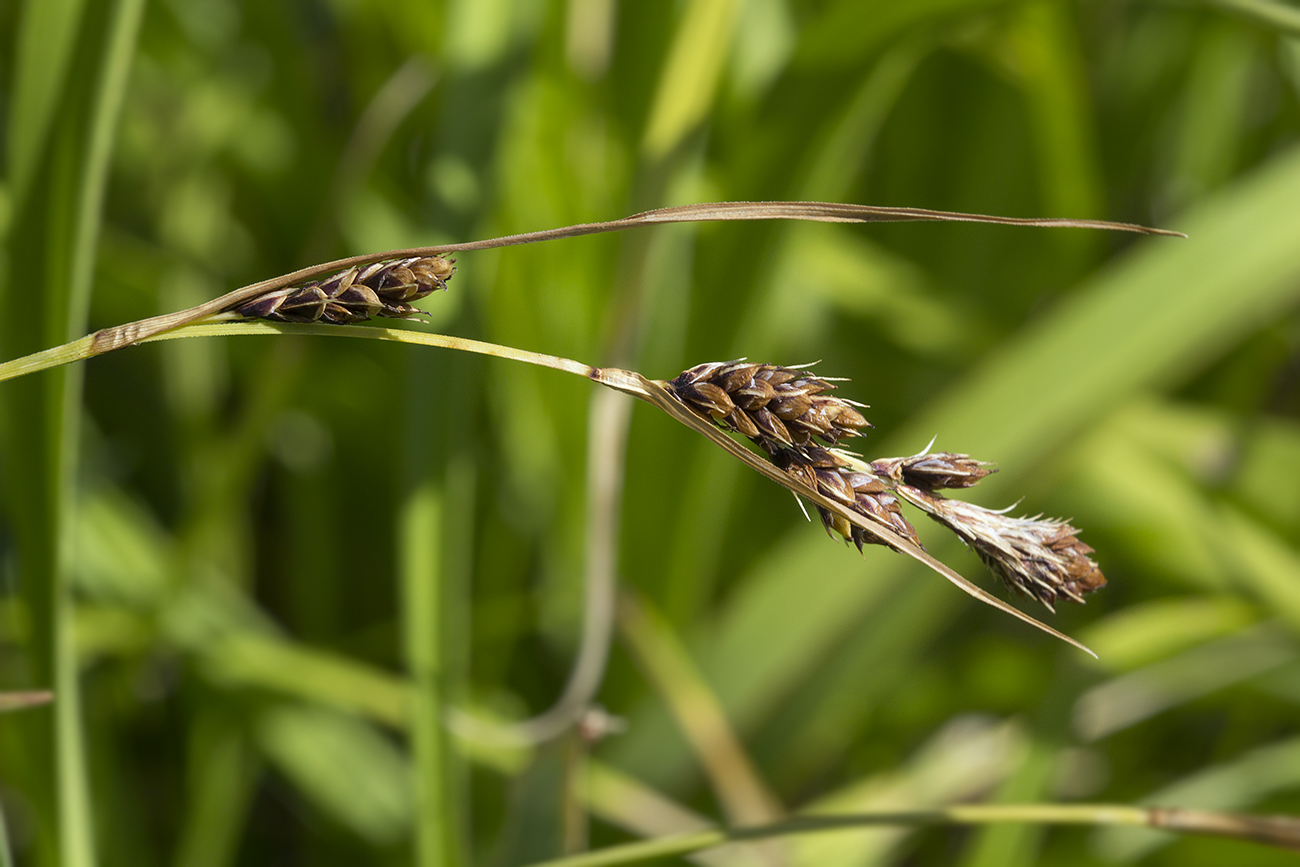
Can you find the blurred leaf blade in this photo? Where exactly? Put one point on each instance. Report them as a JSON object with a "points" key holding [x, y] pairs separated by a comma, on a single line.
{"points": [[347, 768], [1165, 314], [1231, 785], [423, 586], [690, 75], [250, 661]]}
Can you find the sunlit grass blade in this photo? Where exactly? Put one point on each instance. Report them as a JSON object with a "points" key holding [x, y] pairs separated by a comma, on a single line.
{"points": [[244, 659], [691, 73], [47, 36], [1135, 697], [224, 778], [349, 770], [61, 190], [6, 855]]}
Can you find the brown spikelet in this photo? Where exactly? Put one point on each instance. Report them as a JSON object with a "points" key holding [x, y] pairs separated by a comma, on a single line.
{"points": [[932, 471], [379, 289], [832, 475], [786, 410], [776, 406]]}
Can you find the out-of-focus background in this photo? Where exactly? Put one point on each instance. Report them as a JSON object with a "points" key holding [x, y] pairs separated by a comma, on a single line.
{"points": [[254, 569]]}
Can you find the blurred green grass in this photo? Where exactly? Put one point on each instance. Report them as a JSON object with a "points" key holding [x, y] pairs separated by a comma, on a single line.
{"points": [[256, 572]]}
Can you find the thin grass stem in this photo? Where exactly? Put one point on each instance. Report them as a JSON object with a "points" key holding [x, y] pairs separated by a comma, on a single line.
{"points": [[609, 417], [653, 392], [76, 818], [1281, 831]]}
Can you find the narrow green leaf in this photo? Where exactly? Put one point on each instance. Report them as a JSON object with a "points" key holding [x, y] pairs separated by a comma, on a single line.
{"points": [[223, 776], [70, 93], [844, 31], [745, 797], [1048, 58], [6, 855], [1139, 695], [1142, 634], [245, 660]]}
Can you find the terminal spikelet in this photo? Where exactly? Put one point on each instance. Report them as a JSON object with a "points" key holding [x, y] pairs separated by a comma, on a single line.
{"points": [[1037, 557]]}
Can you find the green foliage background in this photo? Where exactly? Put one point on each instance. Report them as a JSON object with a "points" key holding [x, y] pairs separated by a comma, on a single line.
{"points": [[255, 571]]}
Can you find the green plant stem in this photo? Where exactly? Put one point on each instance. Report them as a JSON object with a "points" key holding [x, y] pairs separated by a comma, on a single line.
{"points": [[1277, 831], [48, 358], [657, 394], [607, 434], [80, 350]]}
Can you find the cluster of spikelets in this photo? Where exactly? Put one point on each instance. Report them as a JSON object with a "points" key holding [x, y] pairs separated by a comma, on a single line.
{"points": [[380, 289], [786, 411], [789, 413]]}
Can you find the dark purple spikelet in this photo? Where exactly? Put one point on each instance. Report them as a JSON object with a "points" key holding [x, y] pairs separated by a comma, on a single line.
{"points": [[932, 471], [379, 289]]}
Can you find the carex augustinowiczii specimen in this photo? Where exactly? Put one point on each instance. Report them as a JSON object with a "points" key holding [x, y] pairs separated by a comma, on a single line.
{"points": [[789, 414]]}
